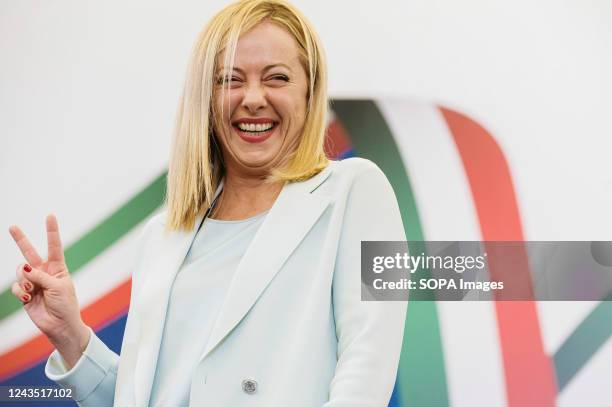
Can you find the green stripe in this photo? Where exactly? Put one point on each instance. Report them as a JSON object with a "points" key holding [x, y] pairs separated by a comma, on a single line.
{"points": [[422, 379], [583, 343], [102, 236]]}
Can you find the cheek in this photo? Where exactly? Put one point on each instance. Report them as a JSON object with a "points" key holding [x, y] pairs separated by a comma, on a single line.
{"points": [[233, 99], [226, 103], [292, 108]]}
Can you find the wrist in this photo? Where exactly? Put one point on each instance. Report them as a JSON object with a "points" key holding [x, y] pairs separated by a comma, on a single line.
{"points": [[71, 343]]}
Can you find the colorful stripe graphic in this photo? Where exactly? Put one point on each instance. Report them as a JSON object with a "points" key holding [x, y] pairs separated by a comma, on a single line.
{"points": [[444, 200], [398, 136], [102, 236], [529, 376]]}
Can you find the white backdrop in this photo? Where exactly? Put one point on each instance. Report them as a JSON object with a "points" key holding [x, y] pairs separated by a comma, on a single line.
{"points": [[88, 93]]}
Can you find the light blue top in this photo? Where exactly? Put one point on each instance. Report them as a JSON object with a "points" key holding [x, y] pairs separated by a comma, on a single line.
{"points": [[197, 294]]}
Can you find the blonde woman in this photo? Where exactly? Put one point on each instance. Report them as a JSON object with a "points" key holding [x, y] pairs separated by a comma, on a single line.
{"points": [[246, 290]]}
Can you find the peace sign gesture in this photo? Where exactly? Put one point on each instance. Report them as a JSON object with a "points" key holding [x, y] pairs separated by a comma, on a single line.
{"points": [[48, 294]]}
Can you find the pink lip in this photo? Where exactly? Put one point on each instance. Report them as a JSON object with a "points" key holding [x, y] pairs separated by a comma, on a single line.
{"points": [[259, 137]]}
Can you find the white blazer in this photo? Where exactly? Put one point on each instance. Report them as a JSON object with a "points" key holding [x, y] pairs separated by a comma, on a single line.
{"points": [[293, 330]]}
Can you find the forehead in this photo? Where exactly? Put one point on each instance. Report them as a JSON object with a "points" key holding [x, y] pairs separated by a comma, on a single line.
{"points": [[266, 43]]}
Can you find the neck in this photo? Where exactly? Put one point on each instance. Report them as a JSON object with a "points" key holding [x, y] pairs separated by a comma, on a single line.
{"points": [[245, 196]]}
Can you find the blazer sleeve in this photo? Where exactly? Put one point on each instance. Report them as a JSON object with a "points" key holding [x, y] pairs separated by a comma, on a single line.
{"points": [[94, 377], [369, 333]]}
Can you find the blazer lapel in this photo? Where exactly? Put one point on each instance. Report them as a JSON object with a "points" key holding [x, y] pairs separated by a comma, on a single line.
{"points": [[291, 217], [170, 252]]}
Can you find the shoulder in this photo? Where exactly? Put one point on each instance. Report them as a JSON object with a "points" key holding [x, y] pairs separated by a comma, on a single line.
{"points": [[361, 192], [152, 227], [353, 165], [357, 183], [354, 170], [156, 221]]}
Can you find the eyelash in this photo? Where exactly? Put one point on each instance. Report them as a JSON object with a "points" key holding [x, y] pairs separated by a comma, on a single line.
{"points": [[224, 79], [281, 77]]}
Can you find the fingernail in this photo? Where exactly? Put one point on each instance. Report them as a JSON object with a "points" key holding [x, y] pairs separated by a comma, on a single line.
{"points": [[25, 298], [27, 268], [27, 286]]}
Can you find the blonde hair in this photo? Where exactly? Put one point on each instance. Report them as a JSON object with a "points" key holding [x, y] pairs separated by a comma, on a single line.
{"points": [[196, 165]]}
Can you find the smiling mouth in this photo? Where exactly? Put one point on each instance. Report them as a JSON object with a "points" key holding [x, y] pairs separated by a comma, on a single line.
{"points": [[254, 132], [254, 128]]}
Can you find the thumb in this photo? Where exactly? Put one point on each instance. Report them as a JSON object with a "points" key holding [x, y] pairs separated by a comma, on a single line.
{"points": [[39, 277]]}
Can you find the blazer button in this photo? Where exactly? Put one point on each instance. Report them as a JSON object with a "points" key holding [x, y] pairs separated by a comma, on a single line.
{"points": [[249, 386]]}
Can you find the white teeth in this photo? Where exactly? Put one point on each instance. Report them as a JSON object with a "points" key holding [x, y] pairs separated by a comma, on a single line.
{"points": [[255, 127]]}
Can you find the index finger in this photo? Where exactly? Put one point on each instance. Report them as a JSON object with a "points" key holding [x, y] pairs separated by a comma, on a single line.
{"points": [[28, 251]]}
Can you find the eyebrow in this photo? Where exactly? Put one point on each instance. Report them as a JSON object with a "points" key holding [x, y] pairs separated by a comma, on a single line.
{"points": [[265, 69]]}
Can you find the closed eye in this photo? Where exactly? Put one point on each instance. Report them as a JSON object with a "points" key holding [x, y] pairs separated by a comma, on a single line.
{"points": [[221, 80], [279, 77]]}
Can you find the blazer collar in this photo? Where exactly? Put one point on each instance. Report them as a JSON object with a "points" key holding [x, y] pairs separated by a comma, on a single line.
{"points": [[278, 236]]}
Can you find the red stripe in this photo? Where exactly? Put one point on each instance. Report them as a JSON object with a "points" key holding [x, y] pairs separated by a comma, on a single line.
{"points": [[528, 370], [96, 315], [337, 140]]}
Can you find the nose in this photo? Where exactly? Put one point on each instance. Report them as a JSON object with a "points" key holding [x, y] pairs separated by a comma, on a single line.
{"points": [[254, 98]]}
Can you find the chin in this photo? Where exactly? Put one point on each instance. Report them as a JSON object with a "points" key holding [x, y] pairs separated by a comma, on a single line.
{"points": [[256, 161]]}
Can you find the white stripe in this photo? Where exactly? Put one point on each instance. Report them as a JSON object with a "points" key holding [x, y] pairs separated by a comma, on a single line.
{"points": [[437, 176], [101, 275], [446, 209], [474, 366]]}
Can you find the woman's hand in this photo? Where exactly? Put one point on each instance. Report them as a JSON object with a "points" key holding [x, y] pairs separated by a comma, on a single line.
{"points": [[48, 294]]}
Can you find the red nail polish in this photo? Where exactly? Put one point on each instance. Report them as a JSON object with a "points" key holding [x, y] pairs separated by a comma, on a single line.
{"points": [[28, 286], [25, 298], [27, 268]]}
